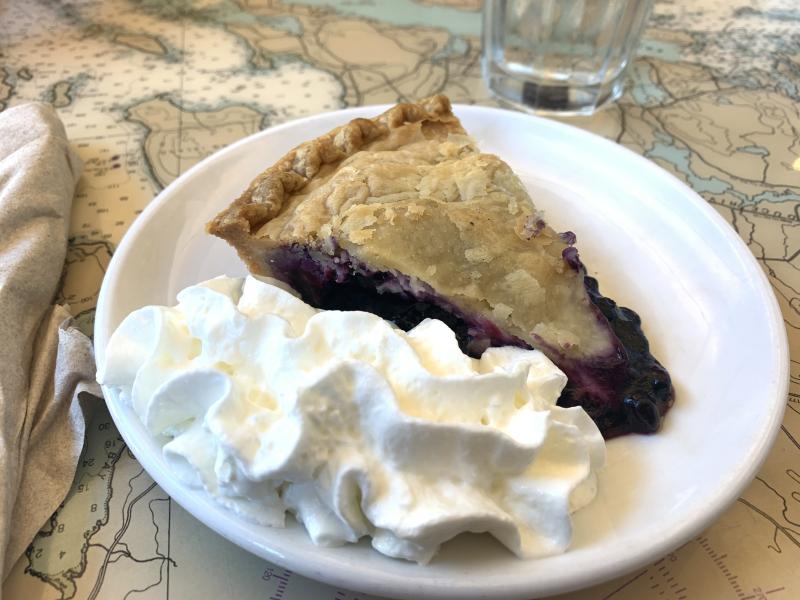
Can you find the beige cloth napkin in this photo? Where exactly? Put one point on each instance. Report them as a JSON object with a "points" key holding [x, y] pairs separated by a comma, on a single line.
{"points": [[45, 363]]}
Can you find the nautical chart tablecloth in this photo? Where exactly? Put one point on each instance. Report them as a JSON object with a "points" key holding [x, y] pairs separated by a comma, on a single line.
{"points": [[147, 88]]}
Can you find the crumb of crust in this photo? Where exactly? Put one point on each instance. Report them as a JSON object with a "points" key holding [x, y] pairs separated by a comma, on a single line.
{"points": [[526, 285], [361, 236], [328, 244], [358, 222], [529, 225], [472, 185], [513, 206], [415, 211], [565, 339], [431, 270], [389, 214], [479, 254], [501, 311], [454, 146]]}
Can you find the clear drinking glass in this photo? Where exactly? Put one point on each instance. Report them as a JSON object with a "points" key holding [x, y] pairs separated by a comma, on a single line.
{"points": [[560, 56]]}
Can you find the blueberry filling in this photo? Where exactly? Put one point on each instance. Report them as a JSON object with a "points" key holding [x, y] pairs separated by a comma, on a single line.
{"points": [[625, 390], [342, 282], [640, 385]]}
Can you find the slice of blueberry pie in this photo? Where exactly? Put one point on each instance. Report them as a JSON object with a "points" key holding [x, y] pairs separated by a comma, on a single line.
{"points": [[402, 216]]}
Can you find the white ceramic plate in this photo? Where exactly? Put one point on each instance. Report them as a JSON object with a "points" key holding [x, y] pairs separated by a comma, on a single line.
{"points": [[655, 246]]}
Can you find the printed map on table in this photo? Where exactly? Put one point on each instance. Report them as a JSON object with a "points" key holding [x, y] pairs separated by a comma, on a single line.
{"points": [[147, 89]]}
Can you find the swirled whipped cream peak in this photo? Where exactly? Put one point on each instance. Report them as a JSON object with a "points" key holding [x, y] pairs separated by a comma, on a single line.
{"points": [[354, 426]]}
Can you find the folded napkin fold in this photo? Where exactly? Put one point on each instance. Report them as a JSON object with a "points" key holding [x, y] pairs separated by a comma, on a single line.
{"points": [[45, 362]]}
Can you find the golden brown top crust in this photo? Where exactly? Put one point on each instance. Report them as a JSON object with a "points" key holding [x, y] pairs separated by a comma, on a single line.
{"points": [[267, 194], [409, 192]]}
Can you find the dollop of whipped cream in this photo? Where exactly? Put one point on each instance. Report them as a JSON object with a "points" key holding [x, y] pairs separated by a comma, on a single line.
{"points": [[356, 427]]}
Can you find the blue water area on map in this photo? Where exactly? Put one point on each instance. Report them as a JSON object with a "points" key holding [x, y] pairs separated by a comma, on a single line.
{"points": [[680, 159], [645, 91], [757, 150], [456, 46], [771, 196], [405, 13], [235, 16], [777, 14], [285, 23], [787, 85], [666, 150]]}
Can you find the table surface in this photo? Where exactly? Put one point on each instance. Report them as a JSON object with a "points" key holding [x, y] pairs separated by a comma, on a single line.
{"points": [[147, 89]]}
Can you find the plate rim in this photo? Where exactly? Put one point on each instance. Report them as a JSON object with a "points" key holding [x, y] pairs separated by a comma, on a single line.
{"points": [[760, 447]]}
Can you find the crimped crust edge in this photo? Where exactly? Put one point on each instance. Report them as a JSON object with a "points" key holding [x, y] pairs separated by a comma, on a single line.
{"points": [[266, 194]]}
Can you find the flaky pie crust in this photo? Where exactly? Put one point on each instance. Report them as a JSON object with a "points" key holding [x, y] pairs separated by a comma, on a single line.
{"points": [[409, 192]]}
